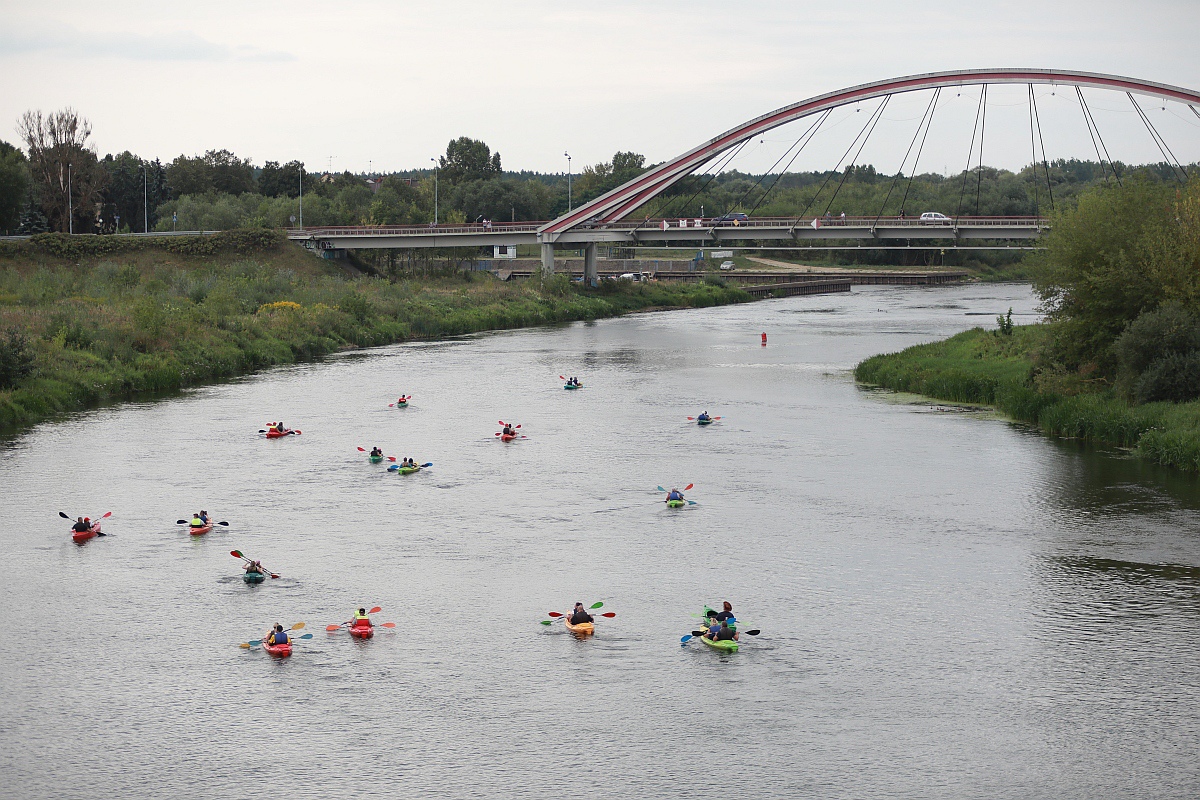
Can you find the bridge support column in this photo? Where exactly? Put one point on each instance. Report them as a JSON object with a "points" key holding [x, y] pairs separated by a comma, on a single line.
{"points": [[547, 258], [591, 271]]}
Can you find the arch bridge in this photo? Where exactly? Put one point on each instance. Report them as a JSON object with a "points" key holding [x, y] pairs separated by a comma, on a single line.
{"points": [[605, 218]]}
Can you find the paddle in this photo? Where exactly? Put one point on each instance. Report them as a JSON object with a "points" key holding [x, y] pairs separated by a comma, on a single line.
{"points": [[332, 628], [754, 632], [189, 522], [712, 418], [238, 554], [397, 467], [689, 486], [403, 399], [105, 515], [296, 627], [389, 458], [288, 432]]}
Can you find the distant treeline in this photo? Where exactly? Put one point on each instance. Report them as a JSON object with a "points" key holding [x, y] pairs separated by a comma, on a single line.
{"points": [[220, 191]]}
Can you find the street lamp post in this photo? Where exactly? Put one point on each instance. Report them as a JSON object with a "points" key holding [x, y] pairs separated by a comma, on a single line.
{"points": [[435, 190], [145, 201], [568, 155], [70, 204]]}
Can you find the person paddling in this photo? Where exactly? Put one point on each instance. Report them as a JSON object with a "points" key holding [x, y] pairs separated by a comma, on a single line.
{"points": [[255, 567], [726, 612], [204, 516], [198, 520], [704, 416], [361, 619], [726, 632], [376, 452], [674, 494], [277, 636], [580, 615], [508, 431], [80, 526]]}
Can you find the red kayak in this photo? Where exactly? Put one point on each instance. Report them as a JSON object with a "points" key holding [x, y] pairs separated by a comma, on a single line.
{"points": [[277, 434], [82, 536], [278, 650], [507, 437], [362, 631], [203, 529]]}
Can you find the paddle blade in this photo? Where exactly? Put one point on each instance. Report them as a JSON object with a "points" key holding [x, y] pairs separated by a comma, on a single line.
{"points": [[427, 464], [333, 627], [362, 449], [597, 605], [297, 626], [660, 488], [223, 524], [754, 632], [691, 417], [261, 431], [690, 485], [375, 610], [553, 614], [391, 458], [609, 614], [562, 377], [387, 625], [297, 433], [246, 645], [697, 633], [273, 575], [716, 417], [547, 622], [692, 503], [64, 516], [305, 636], [181, 522], [685, 639], [236, 553]]}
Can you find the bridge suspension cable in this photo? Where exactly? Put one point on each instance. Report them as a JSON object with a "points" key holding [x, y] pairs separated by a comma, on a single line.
{"points": [[1045, 162], [971, 152], [926, 121], [1090, 121], [829, 177], [878, 115], [812, 129], [1158, 140]]}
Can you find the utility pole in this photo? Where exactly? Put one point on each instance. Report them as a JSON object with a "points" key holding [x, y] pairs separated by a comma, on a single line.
{"points": [[302, 197], [145, 201], [435, 190], [70, 203]]}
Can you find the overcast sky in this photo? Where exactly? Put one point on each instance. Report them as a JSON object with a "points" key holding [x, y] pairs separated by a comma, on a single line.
{"points": [[387, 83]]}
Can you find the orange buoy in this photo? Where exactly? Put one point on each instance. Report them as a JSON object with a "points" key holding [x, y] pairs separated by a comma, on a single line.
{"points": [[764, 339]]}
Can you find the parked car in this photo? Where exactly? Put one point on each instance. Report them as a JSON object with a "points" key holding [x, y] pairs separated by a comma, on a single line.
{"points": [[733, 216], [727, 266], [934, 218]]}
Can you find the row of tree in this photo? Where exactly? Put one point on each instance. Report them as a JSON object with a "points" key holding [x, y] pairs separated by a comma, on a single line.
{"points": [[59, 183]]}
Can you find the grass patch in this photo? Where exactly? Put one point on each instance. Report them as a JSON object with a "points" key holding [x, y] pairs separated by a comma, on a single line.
{"points": [[979, 366]]}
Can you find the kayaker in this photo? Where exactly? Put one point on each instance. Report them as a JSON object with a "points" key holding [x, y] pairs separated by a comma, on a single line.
{"points": [[704, 416], [714, 628], [376, 452], [726, 613], [361, 614], [674, 494], [580, 615], [277, 636], [279, 427], [725, 633], [80, 526], [508, 431], [254, 566], [198, 521], [204, 516]]}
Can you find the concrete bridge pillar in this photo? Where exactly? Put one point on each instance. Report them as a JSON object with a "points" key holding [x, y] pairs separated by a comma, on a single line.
{"points": [[591, 272], [547, 258]]}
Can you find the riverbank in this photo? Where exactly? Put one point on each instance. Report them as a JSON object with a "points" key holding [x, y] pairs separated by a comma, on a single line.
{"points": [[90, 320], [987, 368]]}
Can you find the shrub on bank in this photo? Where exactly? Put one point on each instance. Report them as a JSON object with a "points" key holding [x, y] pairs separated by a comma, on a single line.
{"points": [[980, 366]]}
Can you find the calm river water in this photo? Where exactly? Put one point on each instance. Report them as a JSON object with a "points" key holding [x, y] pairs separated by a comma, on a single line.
{"points": [[951, 606]]}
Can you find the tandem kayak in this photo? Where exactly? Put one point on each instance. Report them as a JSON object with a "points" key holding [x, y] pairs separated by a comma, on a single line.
{"points": [[572, 385], [583, 628], [278, 434], [253, 577], [79, 537], [728, 645], [507, 437], [374, 459], [362, 631], [704, 422], [278, 650], [203, 529], [408, 470], [676, 503]]}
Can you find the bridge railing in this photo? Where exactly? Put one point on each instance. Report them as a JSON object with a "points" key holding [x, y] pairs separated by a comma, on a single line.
{"points": [[413, 230]]}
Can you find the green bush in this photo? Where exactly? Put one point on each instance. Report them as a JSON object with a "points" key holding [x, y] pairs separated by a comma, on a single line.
{"points": [[16, 358]]}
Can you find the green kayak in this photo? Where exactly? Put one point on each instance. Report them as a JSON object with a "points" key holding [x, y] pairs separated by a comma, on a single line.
{"points": [[253, 577], [375, 459], [408, 470], [728, 645], [675, 504]]}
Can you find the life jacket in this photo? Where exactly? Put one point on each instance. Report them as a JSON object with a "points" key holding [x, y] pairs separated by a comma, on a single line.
{"points": [[361, 620], [197, 522], [278, 637], [725, 634], [80, 526], [674, 496]]}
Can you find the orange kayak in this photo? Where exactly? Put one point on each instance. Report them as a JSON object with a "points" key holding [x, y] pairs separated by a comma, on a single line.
{"points": [[583, 628], [203, 529]]}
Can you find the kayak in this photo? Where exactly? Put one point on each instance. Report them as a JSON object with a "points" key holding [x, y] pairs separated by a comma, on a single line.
{"points": [[278, 650], [676, 503], [704, 422], [408, 470], [362, 631], [402, 404], [276, 434], [728, 645], [253, 577], [507, 437], [80, 537], [583, 628], [572, 385], [375, 459], [203, 529]]}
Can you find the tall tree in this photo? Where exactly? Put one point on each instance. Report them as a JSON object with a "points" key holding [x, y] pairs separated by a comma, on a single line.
{"points": [[468, 159], [134, 192], [64, 167], [280, 181], [607, 175], [216, 170], [14, 185]]}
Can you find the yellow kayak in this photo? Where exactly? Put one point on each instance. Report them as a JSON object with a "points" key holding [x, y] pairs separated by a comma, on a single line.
{"points": [[583, 628]]}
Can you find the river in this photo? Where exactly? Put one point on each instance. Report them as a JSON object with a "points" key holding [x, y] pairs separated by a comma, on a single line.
{"points": [[951, 605]]}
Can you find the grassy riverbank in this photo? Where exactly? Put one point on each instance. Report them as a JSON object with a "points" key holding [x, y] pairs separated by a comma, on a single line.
{"points": [[89, 320], [984, 367]]}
